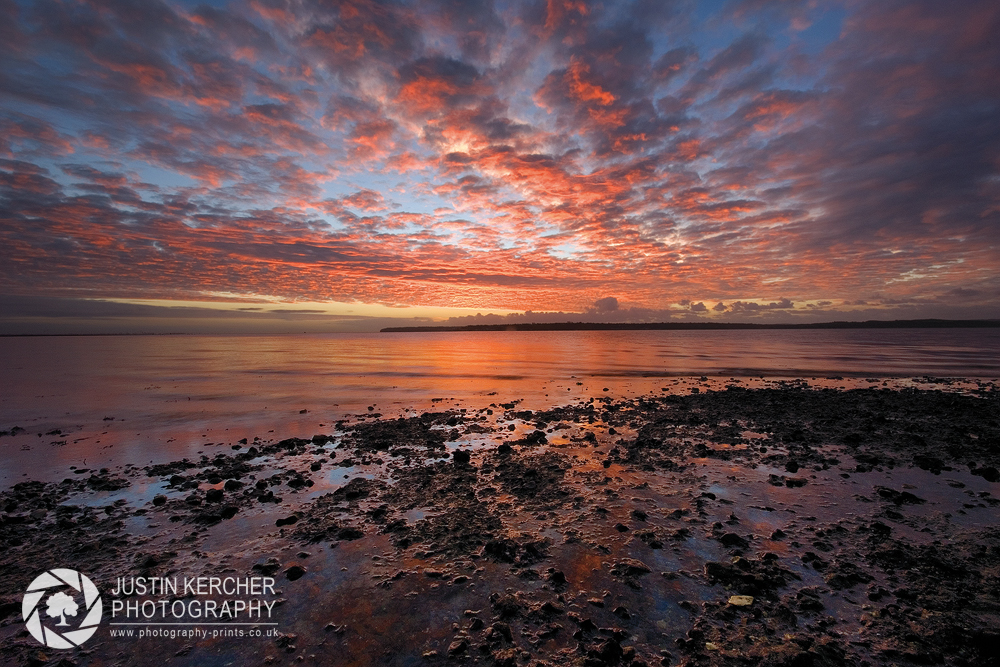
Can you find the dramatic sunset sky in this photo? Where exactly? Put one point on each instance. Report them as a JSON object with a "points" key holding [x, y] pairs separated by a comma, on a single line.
{"points": [[330, 165]]}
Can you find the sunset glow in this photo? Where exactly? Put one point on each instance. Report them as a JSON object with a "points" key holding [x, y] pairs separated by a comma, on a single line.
{"points": [[617, 161]]}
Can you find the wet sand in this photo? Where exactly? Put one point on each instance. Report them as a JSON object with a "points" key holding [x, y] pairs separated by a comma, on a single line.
{"points": [[716, 521]]}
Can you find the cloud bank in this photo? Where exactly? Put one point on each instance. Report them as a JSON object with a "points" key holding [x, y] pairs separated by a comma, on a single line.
{"points": [[615, 160]]}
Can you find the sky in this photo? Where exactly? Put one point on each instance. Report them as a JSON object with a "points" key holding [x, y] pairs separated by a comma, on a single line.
{"points": [[273, 165]]}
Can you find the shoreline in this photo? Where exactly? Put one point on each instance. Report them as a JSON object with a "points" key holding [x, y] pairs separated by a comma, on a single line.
{"points": [[703, 326], [612, 530]]}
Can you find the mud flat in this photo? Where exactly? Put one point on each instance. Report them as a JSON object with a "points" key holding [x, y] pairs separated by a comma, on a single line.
{"points": [[716, 522]]}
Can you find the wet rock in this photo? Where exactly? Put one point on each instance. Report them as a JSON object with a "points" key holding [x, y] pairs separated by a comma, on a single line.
{"points": [[534, 438], [650, 538], [629, 567], [356, 489], [521, 548], [350, 533], [608, 652], [214, 495], [268, 567], [104, 481], [732, 540], [507, 606], [207, 517], [898, 497], [817, 563], [536, 479], [845, 574], [415, 433], [930, 463], [989, 473], [757, 577], [299, 481], [807, 600], [546, 609], [458, 646]]}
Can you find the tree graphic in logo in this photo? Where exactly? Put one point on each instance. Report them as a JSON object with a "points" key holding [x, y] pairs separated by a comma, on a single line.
{"points": [[61, 604], [63, 588]]}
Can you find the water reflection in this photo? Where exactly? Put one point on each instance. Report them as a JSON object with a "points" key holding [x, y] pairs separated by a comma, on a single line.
{"points": [[157, 397]]}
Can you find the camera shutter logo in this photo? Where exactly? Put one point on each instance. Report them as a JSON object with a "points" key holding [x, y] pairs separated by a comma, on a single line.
{"points": [[48, 623]]}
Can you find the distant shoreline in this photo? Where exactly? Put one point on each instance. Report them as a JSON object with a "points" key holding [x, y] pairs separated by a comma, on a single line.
{"points": [[84, 335], [576, 326], [691, 326]]}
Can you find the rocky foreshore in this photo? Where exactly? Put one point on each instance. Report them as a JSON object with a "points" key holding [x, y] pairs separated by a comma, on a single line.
{"points": [[791, 525]]}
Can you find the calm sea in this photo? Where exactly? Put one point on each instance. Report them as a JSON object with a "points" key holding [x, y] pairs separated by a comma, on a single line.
{"points": [[142, 398]]}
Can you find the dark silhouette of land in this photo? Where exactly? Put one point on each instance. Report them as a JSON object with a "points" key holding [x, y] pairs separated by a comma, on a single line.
{"points": [[690, 326]]}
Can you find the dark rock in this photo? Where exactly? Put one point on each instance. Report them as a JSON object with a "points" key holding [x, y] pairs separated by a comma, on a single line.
{"points": [[357, 488], [629, 567], [930, 463], [989, 473], [268, 567], [608, 652], [506, 606], [458, 646], [349, 533], [844, 574], [730, 540], [899, 497], [758, 577]]}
